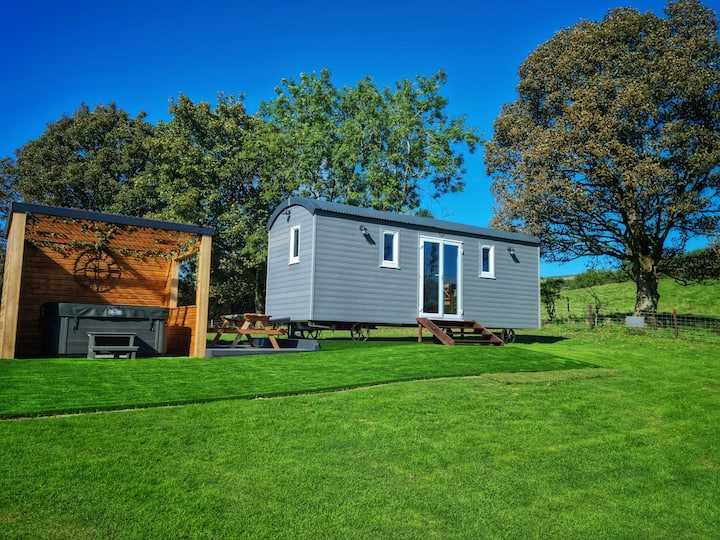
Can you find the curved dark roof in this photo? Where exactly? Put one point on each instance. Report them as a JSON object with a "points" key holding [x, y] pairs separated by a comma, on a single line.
{"points": [[74, 213], [315, 206]]}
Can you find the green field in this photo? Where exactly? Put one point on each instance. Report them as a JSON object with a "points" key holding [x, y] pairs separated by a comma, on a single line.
{"points": [[695, 299], [594, 434]]}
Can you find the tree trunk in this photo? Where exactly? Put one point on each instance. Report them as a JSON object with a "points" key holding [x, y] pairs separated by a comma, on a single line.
{"points": [[647, 296], [259, 291]]}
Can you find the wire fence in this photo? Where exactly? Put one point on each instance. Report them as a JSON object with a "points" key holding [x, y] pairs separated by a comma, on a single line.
{"points": [[670, 324]]}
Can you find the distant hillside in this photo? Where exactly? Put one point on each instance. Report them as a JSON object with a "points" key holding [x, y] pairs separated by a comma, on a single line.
{"points": [[695, 299]]}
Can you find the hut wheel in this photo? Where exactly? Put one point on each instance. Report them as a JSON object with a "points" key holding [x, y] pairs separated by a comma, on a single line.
{"points": [[508, 335], [310, 334], [359, 332]]}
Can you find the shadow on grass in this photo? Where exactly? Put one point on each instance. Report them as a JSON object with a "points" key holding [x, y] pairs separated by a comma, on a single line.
{"points": [[381, 339], [529, 339], [520, 338]]}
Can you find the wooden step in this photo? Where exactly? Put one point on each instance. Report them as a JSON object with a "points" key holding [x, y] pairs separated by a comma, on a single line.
{"points": [[445, 332], [435, 330], [454, 324]]}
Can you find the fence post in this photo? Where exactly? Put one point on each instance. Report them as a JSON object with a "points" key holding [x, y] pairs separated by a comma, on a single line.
{"points": [[675, 323], [590, 317]]}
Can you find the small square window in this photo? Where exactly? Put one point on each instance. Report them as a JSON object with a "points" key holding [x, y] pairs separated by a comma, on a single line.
{"points": [[487, 261], [294, 245], [390, 249]]}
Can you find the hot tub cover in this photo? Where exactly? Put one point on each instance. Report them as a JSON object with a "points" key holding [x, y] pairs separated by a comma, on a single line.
{"points": [[100, 311]]}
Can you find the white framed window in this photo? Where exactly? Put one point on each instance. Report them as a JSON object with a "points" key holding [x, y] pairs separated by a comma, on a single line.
{"points": [[389, 250], [294, 245], [487, 261]]}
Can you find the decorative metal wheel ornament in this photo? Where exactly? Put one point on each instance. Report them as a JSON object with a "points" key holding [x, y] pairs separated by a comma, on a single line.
{"points": [[97, 271]]}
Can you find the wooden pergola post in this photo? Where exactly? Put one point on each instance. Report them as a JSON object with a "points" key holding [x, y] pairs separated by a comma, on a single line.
{"points": [[11, 283], [202, 296]]}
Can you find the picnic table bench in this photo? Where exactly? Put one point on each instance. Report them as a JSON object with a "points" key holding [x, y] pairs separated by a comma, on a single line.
{"points": [[112, 343], [252, 324]]}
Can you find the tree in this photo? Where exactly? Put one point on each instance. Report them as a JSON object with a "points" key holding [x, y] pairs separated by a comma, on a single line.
{"points": [[221, 167], [694, 267], [594, 277], [612, 148], [81, 161], [5, 198], [6, 195], [549, 293], [382, 148], [206, 168], [200, 167]]}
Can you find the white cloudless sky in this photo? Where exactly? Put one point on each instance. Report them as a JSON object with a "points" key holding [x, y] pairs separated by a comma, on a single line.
{"points": [[59, 54]]}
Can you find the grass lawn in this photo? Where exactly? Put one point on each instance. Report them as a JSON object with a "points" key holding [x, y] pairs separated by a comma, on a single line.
{"points": [[70, 385], [596, 435]]}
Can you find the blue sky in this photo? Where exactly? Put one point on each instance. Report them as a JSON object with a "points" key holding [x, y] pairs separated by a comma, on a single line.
{"points": [[59, 54]]}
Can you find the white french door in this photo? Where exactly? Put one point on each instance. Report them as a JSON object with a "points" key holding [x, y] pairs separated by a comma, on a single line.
{"points": [[440, 282]]}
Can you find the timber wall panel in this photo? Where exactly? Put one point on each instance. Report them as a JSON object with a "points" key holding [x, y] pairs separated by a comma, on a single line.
{"points": [[179, 332]]}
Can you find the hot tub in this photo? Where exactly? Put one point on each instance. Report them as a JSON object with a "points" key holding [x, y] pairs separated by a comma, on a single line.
{"points": [[66, 326]]}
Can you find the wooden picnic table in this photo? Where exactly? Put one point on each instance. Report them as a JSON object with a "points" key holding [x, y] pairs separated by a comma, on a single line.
{"points": [[252, 324]]}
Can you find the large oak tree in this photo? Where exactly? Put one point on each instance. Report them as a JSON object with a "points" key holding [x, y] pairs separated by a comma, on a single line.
{"points": [[612, 148]]}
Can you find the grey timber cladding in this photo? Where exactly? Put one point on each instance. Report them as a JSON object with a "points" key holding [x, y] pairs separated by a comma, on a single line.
{"points": [[339, 275], [289, 285], [351, 286], [512, 298]]}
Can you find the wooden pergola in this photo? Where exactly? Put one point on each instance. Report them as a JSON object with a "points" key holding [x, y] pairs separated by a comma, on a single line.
{"points": [[68, 255]]}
